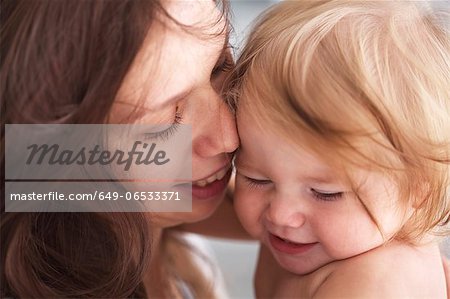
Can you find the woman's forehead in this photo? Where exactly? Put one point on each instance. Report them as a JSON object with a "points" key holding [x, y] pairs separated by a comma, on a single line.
{"points": [[199, 13], [175, 60]]}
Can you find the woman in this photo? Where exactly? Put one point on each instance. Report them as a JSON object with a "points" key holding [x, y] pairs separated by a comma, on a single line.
{"points": [[94, 62]]}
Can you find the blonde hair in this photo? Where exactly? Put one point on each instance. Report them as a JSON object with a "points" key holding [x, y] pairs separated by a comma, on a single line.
{"points": [[190, 267], [361, 83]]}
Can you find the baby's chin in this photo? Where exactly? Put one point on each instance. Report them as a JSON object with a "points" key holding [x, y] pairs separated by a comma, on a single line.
{"points": [[300, 265], [300, 269]]}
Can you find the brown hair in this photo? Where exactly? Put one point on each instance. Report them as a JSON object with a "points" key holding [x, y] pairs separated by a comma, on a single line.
{"points": [[351, 76], [64, 62]]}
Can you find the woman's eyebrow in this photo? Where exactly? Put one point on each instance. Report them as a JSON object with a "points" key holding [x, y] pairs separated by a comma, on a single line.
{"points": [[179, 96], [225, 46], [173, 99], [226, 43]]}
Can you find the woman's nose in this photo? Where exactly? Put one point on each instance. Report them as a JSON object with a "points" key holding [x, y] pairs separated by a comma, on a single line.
{"points": [[283, 211], [214, 127]]}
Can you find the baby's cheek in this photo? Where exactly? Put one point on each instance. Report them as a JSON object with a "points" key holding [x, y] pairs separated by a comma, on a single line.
{"points": [[248, 210], [343, 239]]}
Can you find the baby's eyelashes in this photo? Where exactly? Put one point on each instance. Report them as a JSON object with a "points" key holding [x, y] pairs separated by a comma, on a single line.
{"points": [[326, 195], [250, 177], [254, 183]]}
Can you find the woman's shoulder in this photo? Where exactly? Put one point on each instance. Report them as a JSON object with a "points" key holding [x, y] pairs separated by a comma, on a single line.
{"points": [[395, 270]]}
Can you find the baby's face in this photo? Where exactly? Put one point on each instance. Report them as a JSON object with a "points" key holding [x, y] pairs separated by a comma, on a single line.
{"points": [[295, 204]]}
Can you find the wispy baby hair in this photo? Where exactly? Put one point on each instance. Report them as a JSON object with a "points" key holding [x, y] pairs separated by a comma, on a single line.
{"points": [[362, 83]]}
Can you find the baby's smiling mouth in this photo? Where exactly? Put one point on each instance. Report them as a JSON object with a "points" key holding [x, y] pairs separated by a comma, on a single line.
{"points": [[289, 247]]}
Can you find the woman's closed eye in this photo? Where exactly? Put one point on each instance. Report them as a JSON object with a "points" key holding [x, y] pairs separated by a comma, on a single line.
{"points": [[165, 134], [326, 195]]}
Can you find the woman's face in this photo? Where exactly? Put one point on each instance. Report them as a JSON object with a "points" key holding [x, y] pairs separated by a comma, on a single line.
{"points": [[176, 77]]}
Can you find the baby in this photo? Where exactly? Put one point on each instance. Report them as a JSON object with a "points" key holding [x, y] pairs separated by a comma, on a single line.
{"points": [[343, 110]]}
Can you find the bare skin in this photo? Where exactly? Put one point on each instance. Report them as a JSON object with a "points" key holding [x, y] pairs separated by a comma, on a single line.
{"points": [[370, 269], [446, 264]]}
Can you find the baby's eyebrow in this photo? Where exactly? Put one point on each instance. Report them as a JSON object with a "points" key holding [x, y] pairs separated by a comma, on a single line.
{"points": [[243, 165], [321, 179]]}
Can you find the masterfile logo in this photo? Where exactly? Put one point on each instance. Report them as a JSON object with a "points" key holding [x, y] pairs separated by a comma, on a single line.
{"points": [[121, 168]]}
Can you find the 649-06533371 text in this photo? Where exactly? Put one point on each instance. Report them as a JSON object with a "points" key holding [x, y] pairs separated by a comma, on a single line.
{"points": [[96, 195]]}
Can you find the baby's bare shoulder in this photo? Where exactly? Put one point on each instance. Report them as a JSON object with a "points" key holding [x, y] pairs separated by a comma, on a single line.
{"points": [[392, 271]]}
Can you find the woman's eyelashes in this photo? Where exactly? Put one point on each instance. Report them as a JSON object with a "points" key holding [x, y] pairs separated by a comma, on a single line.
{"points": [[165, 134]]}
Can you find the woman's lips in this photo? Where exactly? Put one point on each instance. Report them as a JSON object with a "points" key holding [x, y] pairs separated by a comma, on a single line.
{"points": [[288, 247], [211, 189], [211, 186], [215, 176]]}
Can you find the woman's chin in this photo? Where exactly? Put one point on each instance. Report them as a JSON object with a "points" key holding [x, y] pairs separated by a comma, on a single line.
{"points": [[201, 210]]}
